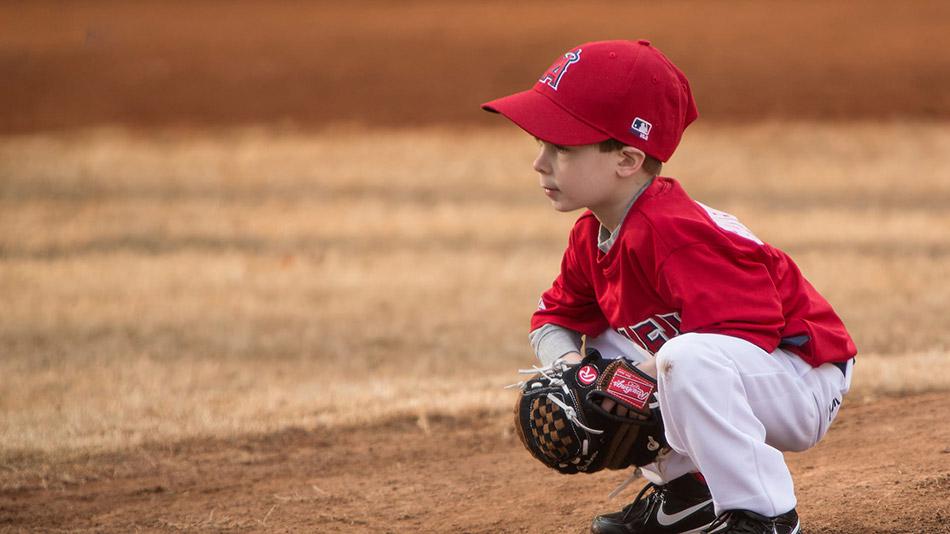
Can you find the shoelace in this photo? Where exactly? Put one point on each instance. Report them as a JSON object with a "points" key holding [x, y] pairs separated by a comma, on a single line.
{"points": [[633, 511], [623, 485], [738, 524]]}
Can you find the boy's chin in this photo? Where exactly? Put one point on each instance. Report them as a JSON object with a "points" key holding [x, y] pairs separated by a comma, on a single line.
{"points": [[564, 208]]}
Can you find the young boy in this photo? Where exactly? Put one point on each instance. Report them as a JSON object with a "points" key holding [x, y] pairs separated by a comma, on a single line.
{"points": [[749, 359]]}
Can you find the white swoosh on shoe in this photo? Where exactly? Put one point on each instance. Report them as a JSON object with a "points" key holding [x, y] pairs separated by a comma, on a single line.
{"points": [[668, 519]]}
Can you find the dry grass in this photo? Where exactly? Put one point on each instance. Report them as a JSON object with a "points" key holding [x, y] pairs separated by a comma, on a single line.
{"points": [[158, 286]]}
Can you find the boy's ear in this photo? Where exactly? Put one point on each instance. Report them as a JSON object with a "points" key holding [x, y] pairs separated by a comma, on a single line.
{"points": [[631, 161]]}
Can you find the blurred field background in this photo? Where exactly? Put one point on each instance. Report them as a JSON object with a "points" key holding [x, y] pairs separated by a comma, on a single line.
{"points": [[221, 218], [161, 287]]}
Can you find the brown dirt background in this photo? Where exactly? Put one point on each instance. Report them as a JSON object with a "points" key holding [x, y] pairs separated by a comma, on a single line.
{"points": [[462, 475], [217, 322], [148, 63]]}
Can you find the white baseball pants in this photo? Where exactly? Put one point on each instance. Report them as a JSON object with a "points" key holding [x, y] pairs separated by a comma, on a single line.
{"points": [[730, 409]]}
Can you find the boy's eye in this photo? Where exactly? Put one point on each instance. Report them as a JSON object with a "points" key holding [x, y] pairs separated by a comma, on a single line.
{"points": [[559, 148]]}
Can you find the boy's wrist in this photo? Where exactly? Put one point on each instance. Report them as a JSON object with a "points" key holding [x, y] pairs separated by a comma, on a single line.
{"points": [[571, 358]]}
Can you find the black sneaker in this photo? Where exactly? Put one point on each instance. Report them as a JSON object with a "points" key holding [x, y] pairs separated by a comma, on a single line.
{"points": [[680, 506], [746, 522]]}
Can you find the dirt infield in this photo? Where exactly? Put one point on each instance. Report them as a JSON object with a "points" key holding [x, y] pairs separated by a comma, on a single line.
{"points": [[872, 474], [151, 63]]}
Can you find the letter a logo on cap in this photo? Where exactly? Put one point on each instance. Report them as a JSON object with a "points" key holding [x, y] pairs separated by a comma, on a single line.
{"points": [[553, 75]]}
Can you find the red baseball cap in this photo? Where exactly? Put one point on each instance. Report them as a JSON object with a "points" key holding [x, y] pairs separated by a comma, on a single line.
{"points": [[625, 90]]}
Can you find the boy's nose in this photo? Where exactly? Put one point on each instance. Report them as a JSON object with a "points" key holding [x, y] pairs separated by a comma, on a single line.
{"points": [[539, 164]]}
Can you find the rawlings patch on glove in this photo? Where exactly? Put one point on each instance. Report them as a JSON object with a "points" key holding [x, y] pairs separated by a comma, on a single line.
{"points": [[560, 420]]}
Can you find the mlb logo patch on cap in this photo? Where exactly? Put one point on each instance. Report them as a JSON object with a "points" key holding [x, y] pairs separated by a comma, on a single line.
{"points": [[641, 128]]}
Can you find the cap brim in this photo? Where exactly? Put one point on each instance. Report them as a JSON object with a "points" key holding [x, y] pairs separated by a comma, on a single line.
{"points": [[538, 115]]}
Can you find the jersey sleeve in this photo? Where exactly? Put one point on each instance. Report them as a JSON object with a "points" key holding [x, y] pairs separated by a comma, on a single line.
{"points": [[718, 292], [571, 301]]}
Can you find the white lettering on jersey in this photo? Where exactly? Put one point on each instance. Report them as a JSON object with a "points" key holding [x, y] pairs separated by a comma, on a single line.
{"points": [[730, 223]]}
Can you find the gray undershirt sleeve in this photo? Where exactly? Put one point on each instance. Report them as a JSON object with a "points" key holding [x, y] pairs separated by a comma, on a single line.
{"points": [[551, 341]]}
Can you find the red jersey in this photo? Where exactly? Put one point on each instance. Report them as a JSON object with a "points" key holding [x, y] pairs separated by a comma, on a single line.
{"points": [[678, 266]]}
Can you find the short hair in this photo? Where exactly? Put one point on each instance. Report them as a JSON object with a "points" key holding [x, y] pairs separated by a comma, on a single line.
{"points": [[650, 164]]}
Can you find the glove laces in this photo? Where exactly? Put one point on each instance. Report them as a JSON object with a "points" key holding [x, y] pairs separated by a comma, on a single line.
{"points": [[554, 372], [571, 414], [557, 366]]}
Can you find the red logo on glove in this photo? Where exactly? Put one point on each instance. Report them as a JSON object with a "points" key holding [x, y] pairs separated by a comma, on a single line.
{"points": [[630, 388], [587, 374]]}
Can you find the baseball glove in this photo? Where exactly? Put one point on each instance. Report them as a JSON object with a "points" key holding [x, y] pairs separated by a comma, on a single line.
{"points": [[559, 418]]}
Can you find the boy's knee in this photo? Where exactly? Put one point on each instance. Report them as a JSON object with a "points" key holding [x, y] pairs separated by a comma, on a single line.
{"points": [[674, 352], [686, 355]]}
